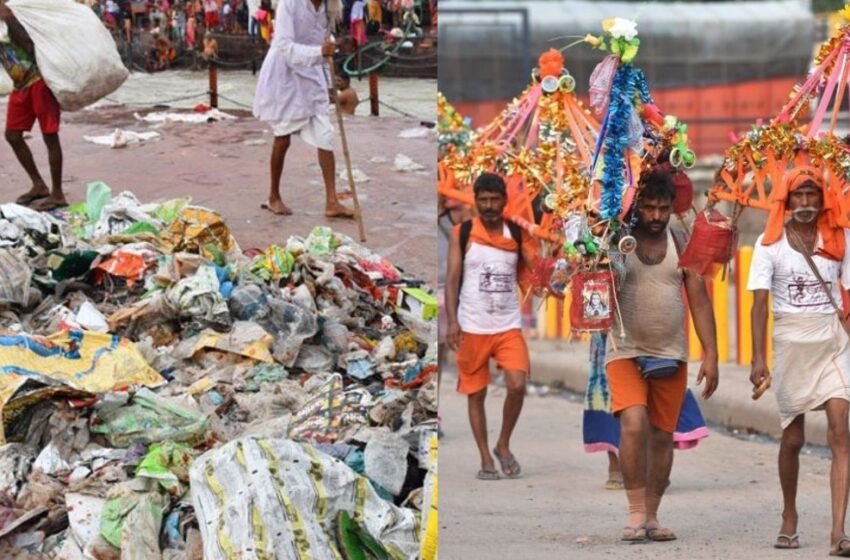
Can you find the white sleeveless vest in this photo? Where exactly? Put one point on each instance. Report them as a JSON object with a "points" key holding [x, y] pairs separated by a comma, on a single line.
{"points": [[489, 301]]}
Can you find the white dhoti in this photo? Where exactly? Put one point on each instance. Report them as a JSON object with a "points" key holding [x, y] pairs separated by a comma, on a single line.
{"points": [[811, 363], [318, 131]]}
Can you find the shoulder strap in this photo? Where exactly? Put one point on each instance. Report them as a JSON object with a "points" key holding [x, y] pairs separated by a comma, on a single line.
{"points": [[816, 272], [465, 230], [516, 234], [680, 240]]}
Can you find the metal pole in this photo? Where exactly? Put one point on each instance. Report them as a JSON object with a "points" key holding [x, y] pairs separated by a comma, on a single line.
{"points": [[213, 85], [374, 102]]}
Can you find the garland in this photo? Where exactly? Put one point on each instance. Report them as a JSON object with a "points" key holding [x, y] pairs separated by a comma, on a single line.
{"points": [[628, 83]]}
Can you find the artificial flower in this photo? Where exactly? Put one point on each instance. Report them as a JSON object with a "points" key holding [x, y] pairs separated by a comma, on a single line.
{"points": [[621, 28]]}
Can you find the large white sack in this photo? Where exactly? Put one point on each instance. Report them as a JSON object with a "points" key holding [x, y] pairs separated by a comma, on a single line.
{"points": [[76, 54], [5, 81], [258, 498]]}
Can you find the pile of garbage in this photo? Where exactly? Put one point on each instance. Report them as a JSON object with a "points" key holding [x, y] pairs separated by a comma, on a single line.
{"points": [[165, 394]]}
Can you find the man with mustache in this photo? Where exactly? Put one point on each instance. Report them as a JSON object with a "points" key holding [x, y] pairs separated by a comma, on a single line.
{"points": [[487, 256], [800, 264], [647, 368]]}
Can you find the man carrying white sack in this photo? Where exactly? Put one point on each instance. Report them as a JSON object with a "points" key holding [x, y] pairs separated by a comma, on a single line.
{"points": [[292, 93], [30, 100]]}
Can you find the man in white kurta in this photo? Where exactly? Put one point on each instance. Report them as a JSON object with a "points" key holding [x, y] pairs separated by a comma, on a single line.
{"points": [[811, 348], [292, 95]]}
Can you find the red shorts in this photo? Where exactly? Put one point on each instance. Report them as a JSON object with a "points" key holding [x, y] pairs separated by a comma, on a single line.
{"points": [[211, 19], [31, 103], [473, 358]]}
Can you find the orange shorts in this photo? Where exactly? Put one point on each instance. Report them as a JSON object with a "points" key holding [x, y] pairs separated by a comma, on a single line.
{"points": [[473, 358], [663, 398]]}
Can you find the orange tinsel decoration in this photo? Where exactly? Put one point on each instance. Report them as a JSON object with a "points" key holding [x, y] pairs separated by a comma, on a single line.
{"points": [[551, 63]]}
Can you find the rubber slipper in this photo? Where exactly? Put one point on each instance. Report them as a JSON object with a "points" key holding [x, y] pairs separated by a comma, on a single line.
{"points": [[510, 467], [45, 205], [660, 534], [634, 534], [614, 484], [266, 206], [27, 198], [842, 551], [486, 474], [785, 542]]}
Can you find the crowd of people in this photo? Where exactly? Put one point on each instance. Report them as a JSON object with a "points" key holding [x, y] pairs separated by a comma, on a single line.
{"points": [[182, 21]]}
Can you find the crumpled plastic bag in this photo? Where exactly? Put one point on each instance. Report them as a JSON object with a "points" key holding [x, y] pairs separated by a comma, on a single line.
{"points": [[150, 418], [202, 231], [168, 464], [15, 277], [198, 299], [235, 504], [331, 413], [77, 56], [290, 325], [385, 458], [122, 138], [132, 522]]}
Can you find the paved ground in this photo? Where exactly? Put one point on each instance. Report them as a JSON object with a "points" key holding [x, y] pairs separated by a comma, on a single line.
{"points": [[724, 501], [224, 166]]}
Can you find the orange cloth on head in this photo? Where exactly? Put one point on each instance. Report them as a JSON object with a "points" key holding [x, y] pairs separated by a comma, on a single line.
{"points": [[831, 233], [480, 235]]}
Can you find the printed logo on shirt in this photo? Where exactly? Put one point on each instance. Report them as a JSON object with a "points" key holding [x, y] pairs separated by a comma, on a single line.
{"points": [[805, 291], [496, 278]]}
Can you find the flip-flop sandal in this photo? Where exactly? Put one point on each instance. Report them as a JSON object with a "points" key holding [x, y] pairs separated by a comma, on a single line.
{"points": [[47, 206], [267, 206], [509, 464], [27, 199], [785, 542], [614, 484], [486, 474], [634, 534], [660, 534], [842, 551]]}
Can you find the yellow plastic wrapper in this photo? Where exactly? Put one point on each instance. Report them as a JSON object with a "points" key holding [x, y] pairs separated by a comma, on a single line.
{"points": [[85, 361], [202, 231]]}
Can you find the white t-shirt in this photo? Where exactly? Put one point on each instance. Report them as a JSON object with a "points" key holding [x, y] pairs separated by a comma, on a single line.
{"points": [[793, 286]]}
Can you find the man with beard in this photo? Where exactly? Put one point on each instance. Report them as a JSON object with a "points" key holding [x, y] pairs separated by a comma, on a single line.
{"points": [[647, 368], [292, 94], [800, 264], [486, 255]]}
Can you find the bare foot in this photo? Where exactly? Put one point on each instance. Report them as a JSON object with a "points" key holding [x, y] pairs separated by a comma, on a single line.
{"points": [[50, 203], [337, 210], [277, 207], [35, 193]]}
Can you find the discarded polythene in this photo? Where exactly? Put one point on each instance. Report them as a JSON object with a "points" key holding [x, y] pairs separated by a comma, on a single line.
{"points": [[253, 512], [150, 418]]}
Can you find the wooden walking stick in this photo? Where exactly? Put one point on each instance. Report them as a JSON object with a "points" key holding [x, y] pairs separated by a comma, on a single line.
{"points": [[357, 213]]}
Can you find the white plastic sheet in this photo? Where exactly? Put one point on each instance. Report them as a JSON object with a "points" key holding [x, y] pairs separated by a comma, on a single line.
{"points": [[275, 498], [76, 54]]}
